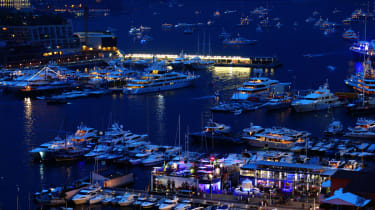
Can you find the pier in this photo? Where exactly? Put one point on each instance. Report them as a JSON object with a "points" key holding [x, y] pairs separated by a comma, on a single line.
{"points": [[234, 61], [231, 201]]}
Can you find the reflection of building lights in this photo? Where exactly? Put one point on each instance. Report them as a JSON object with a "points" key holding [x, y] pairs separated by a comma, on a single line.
{"points": [[160, 106], [217, 171], [241, 72], [28, 119], [41, 172]]}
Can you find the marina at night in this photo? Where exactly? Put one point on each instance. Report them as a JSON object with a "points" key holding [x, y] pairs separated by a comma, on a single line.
{"points": [[185, 104]]}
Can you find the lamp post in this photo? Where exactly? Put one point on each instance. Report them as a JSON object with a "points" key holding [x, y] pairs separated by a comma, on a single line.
{"points": [[210, 177], [270, 197]]}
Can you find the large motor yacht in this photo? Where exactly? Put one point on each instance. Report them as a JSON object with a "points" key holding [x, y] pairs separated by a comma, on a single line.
{"points": [[48, 78], [364, 128], [364, 81], [158, 78], [274, 138], [253, 88], [318, 100]]}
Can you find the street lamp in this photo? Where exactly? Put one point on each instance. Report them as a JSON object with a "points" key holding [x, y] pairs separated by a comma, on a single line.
{"points": [[210, 178]]}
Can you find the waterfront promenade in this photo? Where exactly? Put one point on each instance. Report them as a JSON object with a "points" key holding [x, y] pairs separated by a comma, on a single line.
{"points": [[232, 201]]}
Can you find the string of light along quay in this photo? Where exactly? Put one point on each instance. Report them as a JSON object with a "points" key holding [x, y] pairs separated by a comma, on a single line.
{"points": [[251, 61]]}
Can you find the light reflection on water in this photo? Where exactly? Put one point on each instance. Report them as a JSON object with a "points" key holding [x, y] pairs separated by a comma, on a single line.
{"points": [[29, 121], [222, 72], [160, 115], [41, 172], [227, 79]]}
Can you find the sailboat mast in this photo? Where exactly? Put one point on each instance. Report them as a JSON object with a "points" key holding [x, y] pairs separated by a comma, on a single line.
{"points": [[66, 135], [204, 43], [209, 43], [198, 44], [365, 26], [187, 143], [365, 66], [179, 136]]}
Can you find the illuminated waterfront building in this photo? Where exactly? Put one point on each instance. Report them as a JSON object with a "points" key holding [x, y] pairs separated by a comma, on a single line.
{"points": [[287, 177], [15, 4]]}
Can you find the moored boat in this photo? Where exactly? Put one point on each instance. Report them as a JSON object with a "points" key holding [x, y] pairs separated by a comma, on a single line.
{"points": [[318, 100], [335, 128], [365, 128], [159, 78], [254, 88]]}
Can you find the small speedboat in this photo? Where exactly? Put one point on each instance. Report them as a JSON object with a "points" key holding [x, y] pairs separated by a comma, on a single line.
{"points": [[96, 199], [84, 195], [335, 128], [168, 204], [126, 199], [108, 199], [149, 203], [278, 103], [183, 205]]}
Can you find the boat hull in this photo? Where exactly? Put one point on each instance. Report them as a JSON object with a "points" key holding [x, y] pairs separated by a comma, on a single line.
{"points": [[269, 144], [79, 201], [153, 163], [176, 85], [314, 107], [369, 135]]}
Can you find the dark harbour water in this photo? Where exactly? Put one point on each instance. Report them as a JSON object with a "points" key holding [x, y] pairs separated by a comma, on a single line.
{"points": [[26, 123]]}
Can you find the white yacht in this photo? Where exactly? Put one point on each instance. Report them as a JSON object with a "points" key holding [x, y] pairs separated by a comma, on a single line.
{"points": [[276, 138], [364, 81], [318, 100], [253, 129], [154, 159], [184, 204], [84, 195], [97, 199], [126, 199], [253, 88], [158, 78], [149, 203], [365, 128], [47, 78], [197, 63], [168, 204]]}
